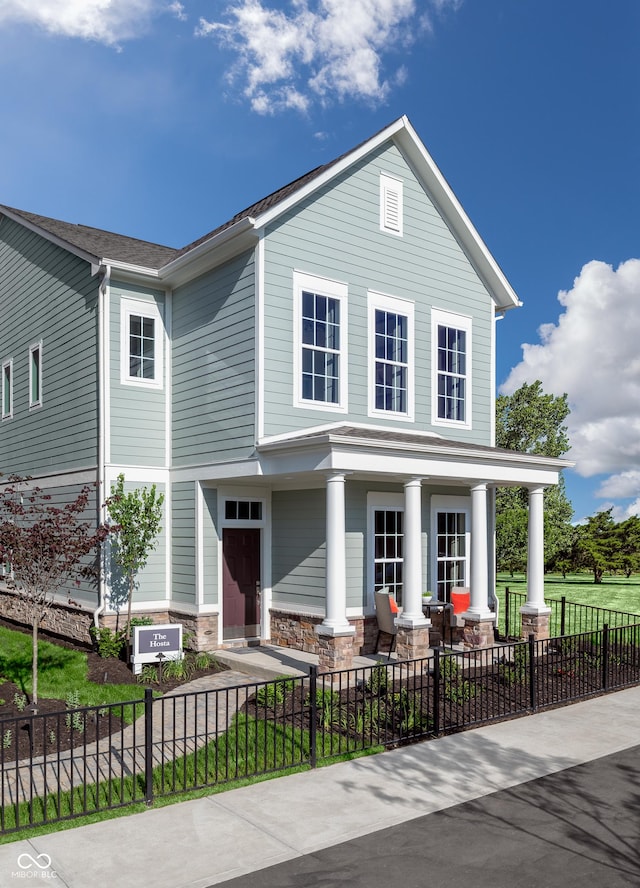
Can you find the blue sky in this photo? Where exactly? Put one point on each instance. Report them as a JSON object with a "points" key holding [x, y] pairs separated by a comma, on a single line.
{"points": [[161, 119]]}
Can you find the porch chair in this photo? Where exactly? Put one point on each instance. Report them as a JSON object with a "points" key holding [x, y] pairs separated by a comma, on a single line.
{"points": [[386, 611]]}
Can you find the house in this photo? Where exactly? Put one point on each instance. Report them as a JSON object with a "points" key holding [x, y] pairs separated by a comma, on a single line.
{"points": [[311, 386]]}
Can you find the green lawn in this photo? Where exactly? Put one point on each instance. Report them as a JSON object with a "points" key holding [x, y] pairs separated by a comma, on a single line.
{"points": [[61, 672], [615, 592]]}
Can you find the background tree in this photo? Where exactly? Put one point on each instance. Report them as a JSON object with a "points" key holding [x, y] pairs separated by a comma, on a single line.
{"points": [[45, 548], [598, 545], [531, 422], [137, 515]]}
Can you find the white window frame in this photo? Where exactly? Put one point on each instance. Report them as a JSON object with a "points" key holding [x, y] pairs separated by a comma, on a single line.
{"points": [[35, 403], [391, 204], [334, 290], [7, 413], [378, 502], [448, 319], [150, 310], [449, 504], [392, 305]]}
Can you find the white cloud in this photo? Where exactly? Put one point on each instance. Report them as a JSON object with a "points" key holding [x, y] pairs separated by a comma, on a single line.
{"points": [[330, 49], [106, 21], [593, 354]]}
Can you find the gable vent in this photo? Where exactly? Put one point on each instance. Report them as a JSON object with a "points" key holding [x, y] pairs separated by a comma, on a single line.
{"points": [[390, 204]]}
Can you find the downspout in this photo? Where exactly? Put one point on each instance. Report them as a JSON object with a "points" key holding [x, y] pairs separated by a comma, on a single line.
{"points": [[103, 294]]}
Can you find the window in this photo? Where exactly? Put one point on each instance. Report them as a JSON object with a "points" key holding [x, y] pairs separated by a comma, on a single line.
{"points": [[35, 375], [390, 204], [243, 510], [387, 551], [452, 360], [450, 517], [320, 359], [390, 347], [141, 343], [7, 389]]}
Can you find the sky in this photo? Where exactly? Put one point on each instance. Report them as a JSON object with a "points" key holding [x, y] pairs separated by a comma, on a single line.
{"points": [[162, 119]]}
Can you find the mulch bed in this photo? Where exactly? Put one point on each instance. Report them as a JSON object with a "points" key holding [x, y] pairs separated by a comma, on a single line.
{"points": [[51, 735]]}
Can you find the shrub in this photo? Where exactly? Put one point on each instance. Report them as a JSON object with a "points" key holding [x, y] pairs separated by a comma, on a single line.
{"points": [[108, 642]]}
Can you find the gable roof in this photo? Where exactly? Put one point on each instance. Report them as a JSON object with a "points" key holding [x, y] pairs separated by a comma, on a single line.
{"points": [[242, 229]]}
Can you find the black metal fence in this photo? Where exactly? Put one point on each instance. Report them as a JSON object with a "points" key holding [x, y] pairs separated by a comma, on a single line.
{"points": [[566, 617], [182, 743]]}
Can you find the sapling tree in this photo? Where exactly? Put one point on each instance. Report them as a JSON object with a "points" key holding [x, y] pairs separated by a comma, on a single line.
{"points": [[137, 515], [44, 549]]}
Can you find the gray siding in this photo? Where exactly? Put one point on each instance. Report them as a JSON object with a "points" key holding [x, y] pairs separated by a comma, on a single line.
{"points": [[48, 294], [298, 548], [336, 234], [213, 361], [210, 540], [183, 532], [137, 412]]}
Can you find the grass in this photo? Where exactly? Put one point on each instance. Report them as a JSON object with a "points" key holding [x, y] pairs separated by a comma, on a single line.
{"points": [[251, 751], [61, 672], [615, 592]]}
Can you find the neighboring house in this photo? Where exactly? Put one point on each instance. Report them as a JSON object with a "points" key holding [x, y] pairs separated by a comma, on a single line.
{"points": [[311, 385]]}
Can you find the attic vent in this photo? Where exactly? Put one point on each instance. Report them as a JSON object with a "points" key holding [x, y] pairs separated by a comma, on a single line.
{"points": [[390, 204]]}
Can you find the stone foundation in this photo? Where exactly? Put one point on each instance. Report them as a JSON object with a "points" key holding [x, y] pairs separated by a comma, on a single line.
{"points": [[335, 652], [299, 632], [412, 643], [200, 630], [62, 620], [535, 624], [478, 633]]}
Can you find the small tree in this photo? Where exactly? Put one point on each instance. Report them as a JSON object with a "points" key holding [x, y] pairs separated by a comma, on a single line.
{"points": [[44, 548], [137, 515]]}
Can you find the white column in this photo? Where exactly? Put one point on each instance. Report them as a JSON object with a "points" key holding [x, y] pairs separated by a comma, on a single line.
{"points": [[491, 542], [335, 621], [479, 568], [412, 588], [535, 553]]}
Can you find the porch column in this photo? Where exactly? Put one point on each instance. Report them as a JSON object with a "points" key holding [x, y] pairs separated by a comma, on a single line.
{"points": [[535, 613], [335, 634], [413, 627], [478, 619]]}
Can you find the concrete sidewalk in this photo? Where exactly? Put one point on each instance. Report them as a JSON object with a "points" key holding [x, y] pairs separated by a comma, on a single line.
{"points": [[204, 842]]}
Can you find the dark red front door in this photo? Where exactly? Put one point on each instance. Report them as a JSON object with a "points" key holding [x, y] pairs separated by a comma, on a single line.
{"points": [[240, 583]]}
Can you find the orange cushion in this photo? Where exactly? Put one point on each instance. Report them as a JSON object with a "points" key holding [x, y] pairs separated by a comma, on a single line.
{"points": [[393, 605]]}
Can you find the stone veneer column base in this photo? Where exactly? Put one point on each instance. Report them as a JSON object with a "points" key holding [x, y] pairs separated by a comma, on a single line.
{"points": [[478, 633], [335, 652], [412, 642], [536, 624], [298, 631]]}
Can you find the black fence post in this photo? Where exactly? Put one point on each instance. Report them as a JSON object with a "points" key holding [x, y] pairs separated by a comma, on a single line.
{"points": [[507, 601], [605, 657], [313, 716], [563, 614], [148, 745], [436, 691], [532, 673]]}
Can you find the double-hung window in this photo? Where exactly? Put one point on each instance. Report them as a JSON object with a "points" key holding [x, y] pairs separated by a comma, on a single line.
{"points": [[391, 356], [141, 343], [35, 375], [385, 531], [450, 517], [320, 343], [7, 389], [451, 338]]}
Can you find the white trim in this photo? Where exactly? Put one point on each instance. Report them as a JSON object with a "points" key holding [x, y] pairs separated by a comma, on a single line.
{"points": [[334, 290], [259, 360], [37, 403], [440, 317], [392, 305], [450, 503], [167, 331], [199, 545], [8, 414], [138, 307], [391, 204]]}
